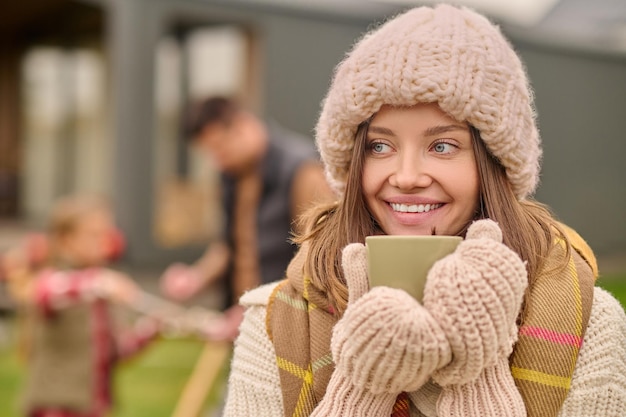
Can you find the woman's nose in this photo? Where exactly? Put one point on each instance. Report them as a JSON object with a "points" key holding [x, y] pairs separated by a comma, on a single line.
{"points": [[411, 173]]}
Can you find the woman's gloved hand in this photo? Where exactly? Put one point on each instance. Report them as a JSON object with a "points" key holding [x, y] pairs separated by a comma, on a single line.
{"points": [[475, 295], [385, 343]]}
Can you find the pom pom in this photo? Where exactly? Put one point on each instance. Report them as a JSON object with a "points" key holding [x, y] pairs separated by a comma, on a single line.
{"points": [[484, 229]]}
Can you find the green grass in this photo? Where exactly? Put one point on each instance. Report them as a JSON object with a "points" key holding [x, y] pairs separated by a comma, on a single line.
{"points": [[151, 384], [11, 372], [148, 385], [616, 285]]}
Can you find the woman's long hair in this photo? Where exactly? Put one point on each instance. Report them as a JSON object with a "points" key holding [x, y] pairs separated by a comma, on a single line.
{"points": [[528, 227]]}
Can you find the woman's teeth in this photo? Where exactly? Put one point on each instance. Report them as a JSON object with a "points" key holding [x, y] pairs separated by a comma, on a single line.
{"points": [[414, 208]]}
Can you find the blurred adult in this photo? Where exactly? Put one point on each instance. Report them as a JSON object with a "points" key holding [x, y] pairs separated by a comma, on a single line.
{"points": [[269, 176]]}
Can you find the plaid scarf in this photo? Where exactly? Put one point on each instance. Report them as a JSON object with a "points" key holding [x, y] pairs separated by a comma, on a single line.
{"points": [[300, 322], [553, 327]]}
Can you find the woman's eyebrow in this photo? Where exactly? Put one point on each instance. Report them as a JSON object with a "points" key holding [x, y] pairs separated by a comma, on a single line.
{"points": [[381, 130], [437, 130]]}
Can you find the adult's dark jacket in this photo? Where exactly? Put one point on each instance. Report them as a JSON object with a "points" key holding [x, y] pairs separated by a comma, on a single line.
{"points": [[286, 153]]}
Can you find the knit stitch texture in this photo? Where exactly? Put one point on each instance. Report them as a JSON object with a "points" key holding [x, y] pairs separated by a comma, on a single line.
{"points": [[475, 294], [254, 385]]}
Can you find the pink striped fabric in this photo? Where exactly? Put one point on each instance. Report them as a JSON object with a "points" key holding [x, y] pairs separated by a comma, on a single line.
{"points": [[551, 336]]}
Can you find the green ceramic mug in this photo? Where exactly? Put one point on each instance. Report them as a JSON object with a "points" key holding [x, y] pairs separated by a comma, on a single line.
{"points": [[404, 261]]}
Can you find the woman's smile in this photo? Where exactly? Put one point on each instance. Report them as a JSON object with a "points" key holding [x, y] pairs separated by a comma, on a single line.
{"points": [[414, 208]]}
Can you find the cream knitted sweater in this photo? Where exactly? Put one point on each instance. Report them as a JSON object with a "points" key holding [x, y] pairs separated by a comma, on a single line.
{"points": [[598, 385]]}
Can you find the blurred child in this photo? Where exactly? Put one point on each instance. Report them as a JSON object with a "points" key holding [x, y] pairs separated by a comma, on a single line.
{"points": [[74, 344]]}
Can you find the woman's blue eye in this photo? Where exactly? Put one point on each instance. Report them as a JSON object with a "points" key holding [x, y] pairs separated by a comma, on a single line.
{"points": [[442, 147], [379, 147]]}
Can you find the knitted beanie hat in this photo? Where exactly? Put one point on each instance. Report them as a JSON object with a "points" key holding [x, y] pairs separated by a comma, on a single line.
{"points": [[446, 55]]}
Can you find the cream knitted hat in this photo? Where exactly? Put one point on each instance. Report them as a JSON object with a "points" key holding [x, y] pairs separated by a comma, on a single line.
{"points": [[451, 56]]}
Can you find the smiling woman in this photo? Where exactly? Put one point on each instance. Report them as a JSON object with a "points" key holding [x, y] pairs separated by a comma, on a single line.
{"points": [[429, 125]]}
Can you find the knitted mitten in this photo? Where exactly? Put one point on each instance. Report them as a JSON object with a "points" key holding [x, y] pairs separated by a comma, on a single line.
{"points": [[385, 343], [493, 393], [475, 294]]}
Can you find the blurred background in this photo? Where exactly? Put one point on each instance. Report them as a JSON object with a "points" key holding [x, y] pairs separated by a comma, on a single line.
{"points": [[92, 94]]}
